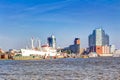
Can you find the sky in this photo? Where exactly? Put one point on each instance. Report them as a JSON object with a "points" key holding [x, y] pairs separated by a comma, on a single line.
{"points": [[66, 19]]}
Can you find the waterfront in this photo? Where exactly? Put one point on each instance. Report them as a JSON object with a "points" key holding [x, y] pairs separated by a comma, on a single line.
{"points": [[106, 68]]}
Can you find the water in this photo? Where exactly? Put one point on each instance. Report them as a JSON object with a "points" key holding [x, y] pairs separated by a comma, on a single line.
{"points": [[61, 69]]}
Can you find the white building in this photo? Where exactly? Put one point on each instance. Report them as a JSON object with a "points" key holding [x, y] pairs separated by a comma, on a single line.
{"points": [[116, 53], [112, 49], [93, 54]]}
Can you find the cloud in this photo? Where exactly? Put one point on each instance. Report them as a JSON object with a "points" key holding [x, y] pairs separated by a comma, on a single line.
{"points": [[46, 7], [39, 9]]}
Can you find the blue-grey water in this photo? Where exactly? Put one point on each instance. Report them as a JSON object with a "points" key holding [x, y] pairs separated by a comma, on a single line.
{"points": [[61, 69]]}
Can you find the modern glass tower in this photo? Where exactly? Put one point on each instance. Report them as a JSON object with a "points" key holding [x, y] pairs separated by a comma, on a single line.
{"points": [[52, 41], [98, 39]]}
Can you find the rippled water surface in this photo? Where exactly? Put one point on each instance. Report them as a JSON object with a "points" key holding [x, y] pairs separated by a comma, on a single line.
{"points": [[61, 69]]}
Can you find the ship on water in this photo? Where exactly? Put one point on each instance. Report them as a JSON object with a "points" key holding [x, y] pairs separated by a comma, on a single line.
{"points": [[44, 50]]}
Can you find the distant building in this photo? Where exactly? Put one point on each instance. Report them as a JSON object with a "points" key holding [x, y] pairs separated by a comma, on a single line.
{"points": [[82, 50], [52, 41], [77, 41], [1, 51], [76, 47], [116, 53], [105, 49], [93, 54], [112, 49], [99, 41]]}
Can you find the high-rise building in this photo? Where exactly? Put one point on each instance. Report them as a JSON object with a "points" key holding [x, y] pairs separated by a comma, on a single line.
{"points": [[76, 47], [52, 41], [97, 40], [77, 41]]}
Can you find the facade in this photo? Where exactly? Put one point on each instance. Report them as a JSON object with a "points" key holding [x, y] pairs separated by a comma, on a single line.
{"points": [[1, 51], [82, 50], [76, 47], [98, 41], [116, 53], [72, 48], [106, 49], [77, 41], [112, 49], [52, 41]]}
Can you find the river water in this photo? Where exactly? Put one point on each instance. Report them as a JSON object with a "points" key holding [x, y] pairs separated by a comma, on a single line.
{"points": [[106, 68]]}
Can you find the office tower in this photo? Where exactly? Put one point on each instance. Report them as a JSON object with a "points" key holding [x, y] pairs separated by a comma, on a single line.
{"points": [[75, 48], [97, 40], [52, 41], [77, 45]]}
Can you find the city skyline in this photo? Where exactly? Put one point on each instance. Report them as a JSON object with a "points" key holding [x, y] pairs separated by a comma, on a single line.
{"points": [[66, 19]]}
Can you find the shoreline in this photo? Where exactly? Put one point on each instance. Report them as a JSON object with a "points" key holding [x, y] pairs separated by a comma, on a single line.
{"points": [[38, 59]]}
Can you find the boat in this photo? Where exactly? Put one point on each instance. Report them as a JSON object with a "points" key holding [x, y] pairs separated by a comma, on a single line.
{"points": [[44, 50], [29, 52]]}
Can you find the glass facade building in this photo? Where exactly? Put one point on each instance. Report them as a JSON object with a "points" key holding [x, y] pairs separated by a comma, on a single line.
{"points": [[97, 40], [52, 41]]}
